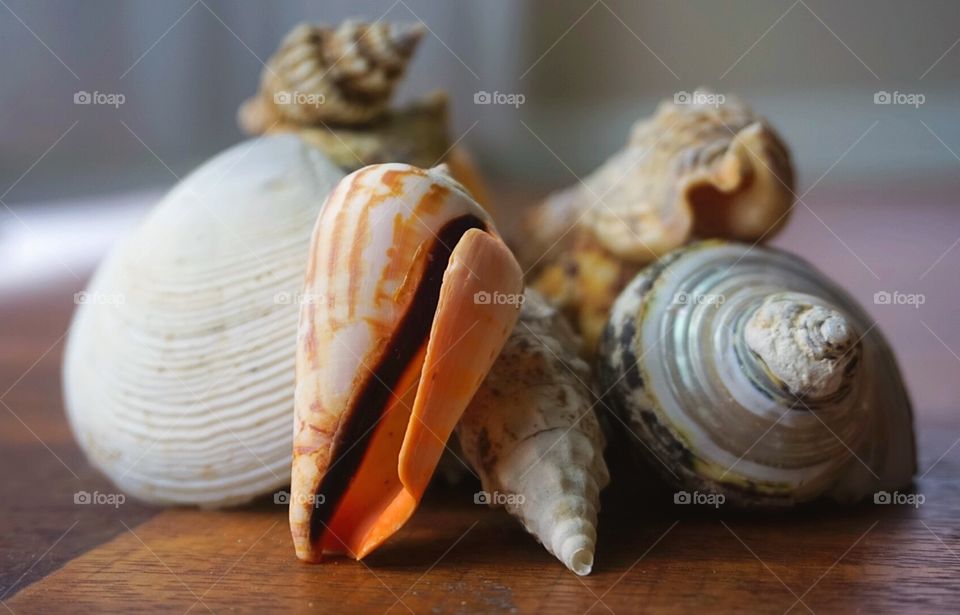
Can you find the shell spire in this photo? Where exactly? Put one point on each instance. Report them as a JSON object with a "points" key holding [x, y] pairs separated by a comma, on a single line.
{"points": [[802, 344], [532, 435], [342, 76], [747, 373]]}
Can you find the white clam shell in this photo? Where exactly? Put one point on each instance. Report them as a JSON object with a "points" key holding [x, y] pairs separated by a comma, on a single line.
{"points": [[179, 371]]}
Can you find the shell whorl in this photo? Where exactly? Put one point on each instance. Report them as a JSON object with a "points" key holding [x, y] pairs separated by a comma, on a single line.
{"points": [[743, 370], [341, 76], [802, 344], [689, 171], [532, 434]]}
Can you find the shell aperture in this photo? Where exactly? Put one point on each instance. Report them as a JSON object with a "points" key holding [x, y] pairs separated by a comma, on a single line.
{"points": [[393, 343]]}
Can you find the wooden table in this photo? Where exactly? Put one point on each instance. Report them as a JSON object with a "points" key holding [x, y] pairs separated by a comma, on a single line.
{"points": [[454, 556]]}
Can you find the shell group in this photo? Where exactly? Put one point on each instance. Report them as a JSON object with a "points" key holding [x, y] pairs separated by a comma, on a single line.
{"points": [[402, 318]]}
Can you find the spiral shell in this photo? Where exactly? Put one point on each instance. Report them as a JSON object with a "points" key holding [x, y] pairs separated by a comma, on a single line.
{"points": [[333, 87], [340, 76], [691, 171], [394, 339], [532, 435], [746, 372], [178, 372]]}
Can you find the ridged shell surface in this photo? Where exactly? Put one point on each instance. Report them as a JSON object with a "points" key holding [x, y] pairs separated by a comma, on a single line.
{"points": [[696, 390], [532, 435], [692, 170], [343, 75], [179, 368]]}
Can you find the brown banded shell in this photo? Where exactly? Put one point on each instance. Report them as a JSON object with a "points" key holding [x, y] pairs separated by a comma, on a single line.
{"points": [[340, 76], [332, 86]]}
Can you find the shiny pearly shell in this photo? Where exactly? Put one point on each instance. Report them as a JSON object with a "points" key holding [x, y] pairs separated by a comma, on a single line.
{"points": [[746, 372]]}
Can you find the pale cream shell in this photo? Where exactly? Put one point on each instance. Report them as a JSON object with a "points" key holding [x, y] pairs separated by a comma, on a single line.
{"points": [[179, 373], [532, 435]]}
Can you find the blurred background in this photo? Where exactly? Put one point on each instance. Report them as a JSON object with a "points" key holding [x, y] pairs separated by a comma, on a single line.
{"points": [[586, 69]]}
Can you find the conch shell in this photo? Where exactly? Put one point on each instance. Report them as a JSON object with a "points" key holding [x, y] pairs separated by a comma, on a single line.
{"points": [[532, 435], [692, 170], [747, 373], [394, 340], [341, 76], [178, 371]]}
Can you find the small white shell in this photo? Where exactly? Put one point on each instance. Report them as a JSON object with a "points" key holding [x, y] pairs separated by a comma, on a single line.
{"points": [[178, 374], [532, 435]]}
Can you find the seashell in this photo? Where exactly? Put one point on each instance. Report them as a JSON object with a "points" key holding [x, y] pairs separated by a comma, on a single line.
{"points": [[746, 372], [179, 369], [333, 87], [392, 345], [692, 170], [532, 435], [341, 76]]}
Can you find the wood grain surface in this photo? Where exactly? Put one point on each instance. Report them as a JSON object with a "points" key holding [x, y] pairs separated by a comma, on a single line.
{"points": [[458, 557]]}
